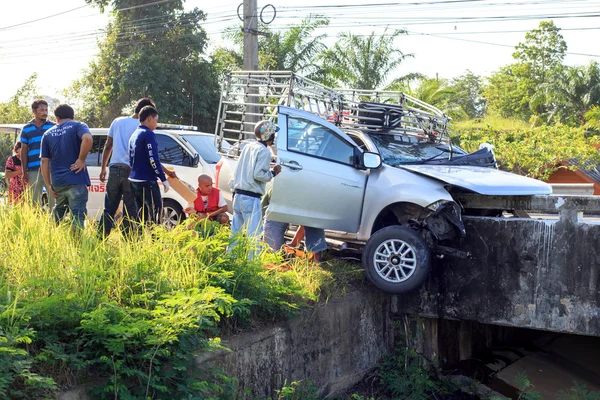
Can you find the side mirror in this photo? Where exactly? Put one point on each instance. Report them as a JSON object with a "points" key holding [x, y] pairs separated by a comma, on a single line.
{"points": [[371, 160], [195, 160]]}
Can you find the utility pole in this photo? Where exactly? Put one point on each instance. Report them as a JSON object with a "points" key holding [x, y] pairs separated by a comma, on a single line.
{"points": [[250, 35], [251, 113]]}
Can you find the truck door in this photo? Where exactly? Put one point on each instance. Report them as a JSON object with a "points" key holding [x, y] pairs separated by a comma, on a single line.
{"points": [[318, 186]]}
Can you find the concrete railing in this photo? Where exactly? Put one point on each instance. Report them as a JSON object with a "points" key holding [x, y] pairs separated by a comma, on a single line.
{"points": [[568, 208], [572, 189]]}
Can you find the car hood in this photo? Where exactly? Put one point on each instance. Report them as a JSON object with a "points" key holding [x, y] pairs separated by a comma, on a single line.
{"points": [[488, 181]]}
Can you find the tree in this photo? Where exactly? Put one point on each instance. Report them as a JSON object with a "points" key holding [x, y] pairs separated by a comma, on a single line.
{"points": [[17, 110], [468, 94], [509, 91], [363, 62], [533, 151], [436, 92], [570, 94], [543, 51], [150, 50], [296, 49]]}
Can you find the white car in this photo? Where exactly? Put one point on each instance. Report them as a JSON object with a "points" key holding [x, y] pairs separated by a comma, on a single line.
{"points": [[189, 153]]}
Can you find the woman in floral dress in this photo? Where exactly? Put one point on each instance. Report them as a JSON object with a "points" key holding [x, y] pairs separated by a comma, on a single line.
{"points": [[14, 174]]}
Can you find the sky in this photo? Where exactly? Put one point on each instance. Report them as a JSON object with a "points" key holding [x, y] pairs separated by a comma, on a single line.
{"points": [[57, 39]]}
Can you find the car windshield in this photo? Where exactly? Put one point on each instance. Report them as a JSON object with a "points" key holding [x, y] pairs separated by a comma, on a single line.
{"points": [[401, 149], [205, 146]]}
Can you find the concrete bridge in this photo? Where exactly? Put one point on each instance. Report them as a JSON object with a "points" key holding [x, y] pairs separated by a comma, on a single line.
{"points": [[538, 273]]}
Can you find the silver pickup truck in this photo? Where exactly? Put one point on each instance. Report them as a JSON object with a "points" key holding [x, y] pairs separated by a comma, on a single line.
{"points": [[388, 194]]}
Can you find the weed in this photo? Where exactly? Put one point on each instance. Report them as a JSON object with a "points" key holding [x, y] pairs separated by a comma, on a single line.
{"points": [[526, 388], [130, 313]]}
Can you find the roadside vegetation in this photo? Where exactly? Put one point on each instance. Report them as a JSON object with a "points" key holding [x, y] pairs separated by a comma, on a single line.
{"points": [[126, 316]]}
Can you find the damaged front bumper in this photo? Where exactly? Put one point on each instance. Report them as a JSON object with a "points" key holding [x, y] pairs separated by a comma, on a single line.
{"points": [[445, 225]]}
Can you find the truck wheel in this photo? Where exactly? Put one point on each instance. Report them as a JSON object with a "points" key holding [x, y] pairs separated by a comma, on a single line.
{"points": [[396, 259], [172, 213]]}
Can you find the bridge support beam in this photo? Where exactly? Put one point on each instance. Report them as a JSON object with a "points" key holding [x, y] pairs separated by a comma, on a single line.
{"points": [[527, 273]]}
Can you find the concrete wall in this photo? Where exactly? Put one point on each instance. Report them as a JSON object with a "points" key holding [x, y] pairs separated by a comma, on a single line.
{"points": [[333, 345], [527, 273]]}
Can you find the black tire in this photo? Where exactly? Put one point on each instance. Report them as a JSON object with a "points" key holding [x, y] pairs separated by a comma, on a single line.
{"points": [[172, 214], [403, 275]]}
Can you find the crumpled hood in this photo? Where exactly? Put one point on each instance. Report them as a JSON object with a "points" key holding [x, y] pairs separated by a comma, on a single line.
{"points": [[488, 181]]}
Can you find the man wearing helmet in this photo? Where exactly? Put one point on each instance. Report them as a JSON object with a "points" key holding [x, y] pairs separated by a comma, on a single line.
{"points": [[252, 173]]}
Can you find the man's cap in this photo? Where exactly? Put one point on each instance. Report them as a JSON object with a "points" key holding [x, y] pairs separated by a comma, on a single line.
{"points": [[267, 130]]}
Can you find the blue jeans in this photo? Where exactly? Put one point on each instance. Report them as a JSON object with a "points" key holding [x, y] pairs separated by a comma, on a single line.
{"points": [[247, 215], [73, 198], [148, 200], [314, 238], [118, 187]]}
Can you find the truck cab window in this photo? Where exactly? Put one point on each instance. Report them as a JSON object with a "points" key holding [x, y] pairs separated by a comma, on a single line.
{"points": [[313, 139]]}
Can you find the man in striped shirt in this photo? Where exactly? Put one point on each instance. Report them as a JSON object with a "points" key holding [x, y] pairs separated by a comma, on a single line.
{"points": [[31, 137]]}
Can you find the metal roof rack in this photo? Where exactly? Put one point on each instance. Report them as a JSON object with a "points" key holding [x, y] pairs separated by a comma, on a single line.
{"points": [[250, 96]]}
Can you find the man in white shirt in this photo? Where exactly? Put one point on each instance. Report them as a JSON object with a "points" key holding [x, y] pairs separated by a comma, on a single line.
{"points": [[118, 186], [251, 175]]}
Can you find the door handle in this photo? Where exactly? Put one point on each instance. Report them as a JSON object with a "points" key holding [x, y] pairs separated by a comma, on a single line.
{"points": [[293, 165]]}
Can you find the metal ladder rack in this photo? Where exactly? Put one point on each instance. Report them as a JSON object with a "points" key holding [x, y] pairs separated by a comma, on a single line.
{"points": [[250, 96]]}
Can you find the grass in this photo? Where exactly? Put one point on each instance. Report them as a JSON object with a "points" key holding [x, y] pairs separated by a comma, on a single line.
{"points": [[74, 306]]}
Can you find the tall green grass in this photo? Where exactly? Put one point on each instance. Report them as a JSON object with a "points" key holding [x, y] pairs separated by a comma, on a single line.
{"points": [[74, 306]]}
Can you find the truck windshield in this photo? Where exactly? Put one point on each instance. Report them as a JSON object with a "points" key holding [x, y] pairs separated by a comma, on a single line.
{"points": [[205, 146], [400, 149]]}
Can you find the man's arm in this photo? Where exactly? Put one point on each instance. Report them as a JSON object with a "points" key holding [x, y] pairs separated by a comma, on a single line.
{"points": [[217, 212], [106, 153], [86, 145], [152, 148], [45, 167], [168, 172]]}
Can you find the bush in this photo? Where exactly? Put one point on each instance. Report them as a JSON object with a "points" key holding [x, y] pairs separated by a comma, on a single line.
{"points": [[536, 152], [130, 312]]}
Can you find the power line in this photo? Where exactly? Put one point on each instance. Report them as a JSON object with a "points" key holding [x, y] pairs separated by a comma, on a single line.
{"points": [[41, 19], [494, 44]]}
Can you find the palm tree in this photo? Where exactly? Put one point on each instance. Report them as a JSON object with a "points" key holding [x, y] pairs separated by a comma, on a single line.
{"points": [[571, 93], [436, 92], [363, 62], [295, 49]]}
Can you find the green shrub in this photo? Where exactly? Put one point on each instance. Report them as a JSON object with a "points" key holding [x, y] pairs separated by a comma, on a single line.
{"points": [[130, 313], [533, 151]]}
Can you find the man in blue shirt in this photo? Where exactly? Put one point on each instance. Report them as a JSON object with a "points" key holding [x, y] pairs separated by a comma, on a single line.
{"points": [[64, 149], [118, 186], [31, 137], [146, 166]]}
